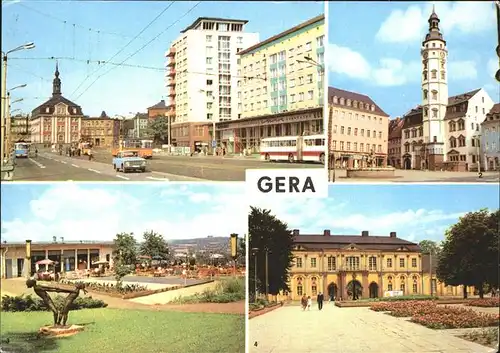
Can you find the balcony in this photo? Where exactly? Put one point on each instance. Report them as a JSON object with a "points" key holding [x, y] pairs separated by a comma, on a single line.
{"points": [[171, 72], [171, 82], [170, 53], [171, 62], [171, 92]]}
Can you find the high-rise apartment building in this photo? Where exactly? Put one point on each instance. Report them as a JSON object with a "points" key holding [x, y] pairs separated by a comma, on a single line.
{"points": [[202, 78], [281, 88]]}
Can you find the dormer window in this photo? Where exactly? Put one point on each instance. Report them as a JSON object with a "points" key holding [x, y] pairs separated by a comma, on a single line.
{"points": [[355, 104], [348, 102], [74, 110], [372, 108], [47, 109], [335, 100], [342, 101]]}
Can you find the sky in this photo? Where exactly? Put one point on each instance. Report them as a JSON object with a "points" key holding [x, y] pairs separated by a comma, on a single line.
{"points": [[97, 37], [374, 49], [415, 212], [100, 211]]}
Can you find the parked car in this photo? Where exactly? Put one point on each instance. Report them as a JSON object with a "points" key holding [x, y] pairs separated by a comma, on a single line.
{"points": [[129, 161]]}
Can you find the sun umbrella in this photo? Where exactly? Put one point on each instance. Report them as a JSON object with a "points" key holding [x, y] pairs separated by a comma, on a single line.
{"points": [[45, 262], [100, 263]]}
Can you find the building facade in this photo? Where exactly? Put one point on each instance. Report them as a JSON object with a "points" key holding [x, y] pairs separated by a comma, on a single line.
{"points": [[58, 120], [394, 145], [100, 131], [20, 129], [141, 124], [359, 129], [443, 132], [69, 255], [336, 264], [280, 88], [490, 131], [159, 109], [202, 75]]}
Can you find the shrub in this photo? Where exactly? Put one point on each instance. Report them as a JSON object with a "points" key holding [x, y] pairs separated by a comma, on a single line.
{"points": [[485, 303], [227, 291], [109, 287], [404, 308], [28, 303], [485, 336], [404, 298]]}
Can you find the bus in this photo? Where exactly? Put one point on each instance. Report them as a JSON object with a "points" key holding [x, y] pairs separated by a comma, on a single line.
{"points": [[21, 149], [144, 148], [309, 148]]}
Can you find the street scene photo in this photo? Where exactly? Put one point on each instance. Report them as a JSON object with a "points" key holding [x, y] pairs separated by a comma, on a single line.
{"points": [[414, 91], [410, 268], [119, 268], [187, 91]]}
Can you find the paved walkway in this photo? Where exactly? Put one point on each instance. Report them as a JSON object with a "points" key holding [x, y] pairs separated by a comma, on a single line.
{"points": [[348, 330], [167, 297]]}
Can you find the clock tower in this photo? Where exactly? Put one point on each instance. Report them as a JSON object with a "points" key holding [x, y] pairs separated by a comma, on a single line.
{"points": [[434, 95]]}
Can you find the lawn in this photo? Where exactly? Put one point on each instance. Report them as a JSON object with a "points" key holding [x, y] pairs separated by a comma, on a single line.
{"points": [[114, 330]]}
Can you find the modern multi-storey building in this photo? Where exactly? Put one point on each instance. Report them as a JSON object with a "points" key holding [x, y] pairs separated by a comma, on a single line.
{"points": [[359, 129], [58, 120], [101, 131], [202, 78], [20, 128], [280, 88], [490, 131], [374, 265], [394, 149], [443, 132]]}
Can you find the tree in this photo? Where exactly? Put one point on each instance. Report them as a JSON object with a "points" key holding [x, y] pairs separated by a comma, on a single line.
{"points": [[242, 250], [158, 129], [266, 232], [469, 254], [430, 247], [154, 245], [125, 251]]}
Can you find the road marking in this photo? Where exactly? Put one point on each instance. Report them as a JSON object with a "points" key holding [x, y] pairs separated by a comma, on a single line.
{"points": [[63, 162], [38, 164], [76, 166], [161, 179], [95, 171], [122, 177]]}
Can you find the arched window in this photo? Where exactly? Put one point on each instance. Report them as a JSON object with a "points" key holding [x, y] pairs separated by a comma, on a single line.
{"points": [[335, 100], [402, 286], [452, 126], [342, 101], [355, 104], [415, 284], [372, 108], [434, 95], [443, 75], [420, 131], [389, 283], [461, 141], [348, 102], [425, 75], [426, 111], [299, 286], [434, 74], [314, 286], [426, 94], [453, 142]]}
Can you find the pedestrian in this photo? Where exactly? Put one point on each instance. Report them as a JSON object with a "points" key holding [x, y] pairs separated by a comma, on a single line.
{"points": [[303, 302], [36, 152], [320, 299], [309, 303], [90, 154]]}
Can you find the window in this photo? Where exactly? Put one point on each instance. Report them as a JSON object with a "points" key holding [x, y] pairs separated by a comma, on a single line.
{"points": [[308, 46], [299, 286], [209, 61], [372, 263], [434, 74], [331, 263], [239, 40], [313, 262], [298, 262], [389, 283], [320, 40], [389, 262], [208, 38], [401, 262], [402, 284], [309, 78], [414, 262], [314, 287], [310, 95]]}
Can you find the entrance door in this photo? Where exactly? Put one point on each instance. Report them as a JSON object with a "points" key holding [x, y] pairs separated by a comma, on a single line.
{"points": [[8, 268], [332, 291], [407, 163], [373, 288], [20, 267]]}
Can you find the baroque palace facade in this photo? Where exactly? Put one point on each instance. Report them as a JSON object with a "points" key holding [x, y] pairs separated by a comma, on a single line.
{"points": [[377, 264]]}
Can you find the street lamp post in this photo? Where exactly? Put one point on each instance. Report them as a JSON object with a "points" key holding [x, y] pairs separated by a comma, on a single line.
{"points": [[255, 252], [26, 46], [8, 122]]}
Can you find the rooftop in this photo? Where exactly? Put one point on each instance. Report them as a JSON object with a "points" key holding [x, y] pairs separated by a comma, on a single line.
{"points": [[283, 34], [214, 19], [353, 96], [160, 105]]}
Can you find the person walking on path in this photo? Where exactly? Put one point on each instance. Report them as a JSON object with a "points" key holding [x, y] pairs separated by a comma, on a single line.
{"points": [[309, 303], [320, 299], [303, 301]]}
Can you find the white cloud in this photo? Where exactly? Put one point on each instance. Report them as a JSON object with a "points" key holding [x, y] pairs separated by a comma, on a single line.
{"points": [[343, 60], [462, 70], [76, 213], [463, 17], [492, 67]]}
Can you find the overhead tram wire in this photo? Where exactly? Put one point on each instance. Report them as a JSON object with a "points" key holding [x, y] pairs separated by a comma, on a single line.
{"points": [[126, 45], [140, 49], [75, 25]]}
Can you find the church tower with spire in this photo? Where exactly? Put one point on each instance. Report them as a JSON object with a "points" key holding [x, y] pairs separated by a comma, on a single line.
{"points": [[56, 83], [434, 93]]}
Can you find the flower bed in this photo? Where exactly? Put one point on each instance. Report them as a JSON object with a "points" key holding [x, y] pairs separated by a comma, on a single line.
{"points": [[429, 314], [485, 303], [29, 303]]}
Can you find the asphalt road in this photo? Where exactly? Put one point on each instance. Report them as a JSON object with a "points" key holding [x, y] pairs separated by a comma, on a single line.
{"points": [[53, 167], [49, 166]]}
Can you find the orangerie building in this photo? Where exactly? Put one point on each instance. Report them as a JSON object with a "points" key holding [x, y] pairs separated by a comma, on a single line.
{"points": [[377, 264]]}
